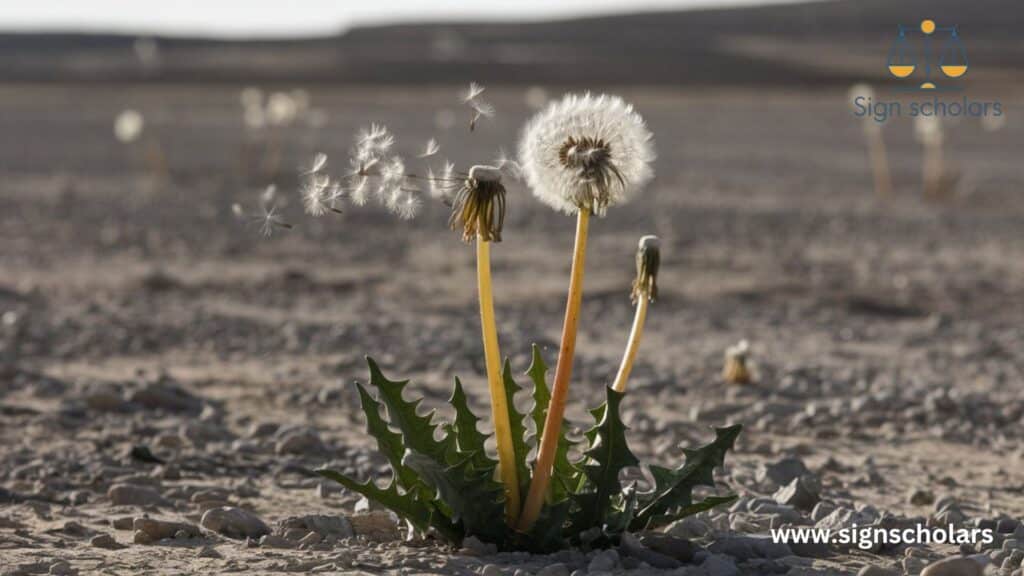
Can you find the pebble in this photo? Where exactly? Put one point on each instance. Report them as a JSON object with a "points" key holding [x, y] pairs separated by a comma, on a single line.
{"points": [[302, 441], [670, 545], [633, 547], [747, 547], [556, 569], [123, 523], [208, 552], [234, 522], [131, 495], [275, 541], [105, 541], [822, 509], [604, 561], [719, 565], [921, 497], [62, 568], [161, 529], [959, 566], [1007, 525], [876, 571], [802, 493], [377, 525], [782, 472], [491, 570], [337, 527], [165, 395], [688, 528], [472, 546]]}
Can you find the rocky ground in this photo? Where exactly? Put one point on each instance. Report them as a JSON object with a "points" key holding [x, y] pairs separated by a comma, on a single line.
{"points": [[167, 377]]}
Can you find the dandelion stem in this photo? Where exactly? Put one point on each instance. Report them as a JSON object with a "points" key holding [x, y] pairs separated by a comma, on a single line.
{"points": [[633, 345], [560, 386], [499, 403], [879, 163]]}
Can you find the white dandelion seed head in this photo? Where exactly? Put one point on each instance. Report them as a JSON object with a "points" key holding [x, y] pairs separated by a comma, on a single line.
{"points": [[281, 109], [128, 126], [586, 151]]}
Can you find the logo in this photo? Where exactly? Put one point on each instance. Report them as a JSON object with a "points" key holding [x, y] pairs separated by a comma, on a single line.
{"points": [[933, 59], [928, 50]]}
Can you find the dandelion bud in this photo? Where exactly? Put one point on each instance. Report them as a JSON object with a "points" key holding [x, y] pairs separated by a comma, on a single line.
{"points": [[648, 258], [479, 206], [737, 370]]}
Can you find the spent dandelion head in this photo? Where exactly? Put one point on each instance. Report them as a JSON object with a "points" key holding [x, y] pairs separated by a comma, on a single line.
{"points": [[586, 152], [648, 260], [478, 208]]}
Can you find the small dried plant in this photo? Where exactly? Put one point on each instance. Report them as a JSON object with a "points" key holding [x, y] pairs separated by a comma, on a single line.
{"points": [[937, 179], [875, 143], [581, 156]]}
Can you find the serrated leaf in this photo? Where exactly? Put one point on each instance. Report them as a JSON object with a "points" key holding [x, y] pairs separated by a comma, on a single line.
{"points": [[404, 505], [519, 447], [469, 438], [607, 456], [674, 488], [696, 508], [476, 500], [417, 430], [565, 476], [389, 443]]}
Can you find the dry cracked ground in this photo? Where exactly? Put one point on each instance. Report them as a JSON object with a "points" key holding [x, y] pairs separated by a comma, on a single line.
{"points": [[167, 377]]}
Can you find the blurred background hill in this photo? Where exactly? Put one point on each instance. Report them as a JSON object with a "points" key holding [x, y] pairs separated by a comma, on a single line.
{"points": [[833, 42]]}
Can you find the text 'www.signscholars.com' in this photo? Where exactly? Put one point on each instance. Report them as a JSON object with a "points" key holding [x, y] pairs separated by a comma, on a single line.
{"points": [[867, 537]]}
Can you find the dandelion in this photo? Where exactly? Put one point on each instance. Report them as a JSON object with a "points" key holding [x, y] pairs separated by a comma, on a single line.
{"points": [[315, 198], [737, 370], [478, 213], [586, 153], [928, 130], [579, 155], [479, 206], [875, 143], [645, 291], [128, 126]]}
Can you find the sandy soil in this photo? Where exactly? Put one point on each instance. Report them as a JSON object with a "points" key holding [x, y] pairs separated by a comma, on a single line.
{"points": [[888, 336]]}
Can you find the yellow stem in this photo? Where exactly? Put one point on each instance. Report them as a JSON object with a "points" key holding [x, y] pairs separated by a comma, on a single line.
{"points": [[633, 345], [560, 387], [499, 403]]}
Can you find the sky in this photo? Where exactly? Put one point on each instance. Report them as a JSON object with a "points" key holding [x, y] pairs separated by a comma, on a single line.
{"points": [[248, 18]]}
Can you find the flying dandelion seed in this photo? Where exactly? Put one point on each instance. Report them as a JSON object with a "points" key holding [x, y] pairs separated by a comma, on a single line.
{"points": [[267, 220], [314, 194], [586, 152], [479, 107], [318, 164], [474, 91], [281, 109], [128, 126], [408, 204], [445, 186], [430, 149]]}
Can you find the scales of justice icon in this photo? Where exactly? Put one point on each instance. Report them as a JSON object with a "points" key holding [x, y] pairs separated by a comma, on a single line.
{"points": [[904, 60]]}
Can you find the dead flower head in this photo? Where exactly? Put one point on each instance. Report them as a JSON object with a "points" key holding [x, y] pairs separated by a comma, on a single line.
{"points": [[479, 206], [648, 259]]}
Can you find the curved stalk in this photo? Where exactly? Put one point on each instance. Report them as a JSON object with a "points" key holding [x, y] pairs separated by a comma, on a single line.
{"points": [[633, 345], [560, 386], [499, 404]]}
